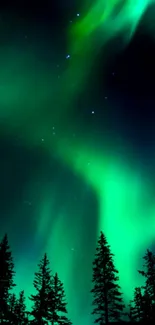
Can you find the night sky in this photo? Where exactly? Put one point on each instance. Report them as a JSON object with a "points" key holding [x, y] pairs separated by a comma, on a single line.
{"points": [[77, 139]]}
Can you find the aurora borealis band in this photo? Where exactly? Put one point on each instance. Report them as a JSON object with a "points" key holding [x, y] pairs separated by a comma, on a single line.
{"points": [[77, 140]]}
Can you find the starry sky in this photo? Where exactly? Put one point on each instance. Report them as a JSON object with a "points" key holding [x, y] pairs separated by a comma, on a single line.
{"points": [[77, 139]]}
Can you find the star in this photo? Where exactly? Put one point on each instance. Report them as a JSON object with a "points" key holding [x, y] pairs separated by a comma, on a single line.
{"points": [[67, 56]]}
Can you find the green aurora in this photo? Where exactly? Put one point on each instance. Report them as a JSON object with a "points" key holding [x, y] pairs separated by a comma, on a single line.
{"points": [[33, 101]]}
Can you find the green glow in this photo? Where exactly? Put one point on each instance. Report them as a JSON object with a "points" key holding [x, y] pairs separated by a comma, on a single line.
{"points": [[111, 17], [125, 218], [31, 102], [101, 21]]}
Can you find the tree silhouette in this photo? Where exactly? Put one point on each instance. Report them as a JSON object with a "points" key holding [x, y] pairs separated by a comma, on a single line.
{"points": [[137, 305], [146, 307], [12, 302], [6, 277], [58, 304], [107, 297], [149, 288], [12, 308], [20, 310], [42, 284], [130, 312]]}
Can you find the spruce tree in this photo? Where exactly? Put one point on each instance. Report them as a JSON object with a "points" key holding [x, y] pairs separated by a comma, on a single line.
{"points": [[130, 313], [149, 288], [58, 304], [6, 277], [12, 308], [137, 308], [20, 310], [12, 302], [107, 296], [42, 284], [149, 274], [146, 307]]}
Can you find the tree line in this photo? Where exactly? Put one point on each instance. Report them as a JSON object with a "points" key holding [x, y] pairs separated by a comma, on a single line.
{"points": [[49, 305]]}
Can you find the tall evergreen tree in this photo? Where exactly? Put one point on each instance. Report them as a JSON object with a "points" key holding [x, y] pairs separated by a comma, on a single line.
{"points": [[147, 311], [20, 310], [6, 277], [42, 284], [107, 296], [58, 304], [149, 288], [149, 273], [137, 305], [12, 308], [130, 313], [12, 302]]}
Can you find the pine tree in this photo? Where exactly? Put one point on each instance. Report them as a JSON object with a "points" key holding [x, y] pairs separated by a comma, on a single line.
{"points": [[20, 310], [58, 305], [107, 297], [12, 308], [130, 313], [6, 277], [137, 308], [146, 307], [149, 288], [149, 273], [12, 302], [42, 284]]}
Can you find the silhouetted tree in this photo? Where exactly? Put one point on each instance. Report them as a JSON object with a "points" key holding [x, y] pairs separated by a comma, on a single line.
{"points": [[12, 302], [146, 307], [20, 310], [42, 284], [137, 305], [106, 291], [58, 304], [130, 313], [149, 288], [12, 308], [6, 277]]}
